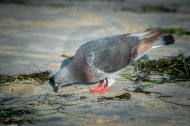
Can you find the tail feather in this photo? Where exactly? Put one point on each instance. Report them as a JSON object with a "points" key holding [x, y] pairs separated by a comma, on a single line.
{"points": [[168, 40], [157, 37], [153, 35], [154, 38]]}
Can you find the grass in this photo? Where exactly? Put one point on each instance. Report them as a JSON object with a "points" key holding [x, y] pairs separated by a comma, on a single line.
{"points": [[124, 96], [178, 31], [175, 31], [38, 77], [169, 69]]}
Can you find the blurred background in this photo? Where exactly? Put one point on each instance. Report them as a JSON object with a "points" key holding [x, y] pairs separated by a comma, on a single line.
{"points": [[34, 36], [35, 33]]}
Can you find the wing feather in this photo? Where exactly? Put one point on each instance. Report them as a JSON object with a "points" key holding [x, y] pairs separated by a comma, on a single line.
{"points": [[109, 54], [116, 55]]}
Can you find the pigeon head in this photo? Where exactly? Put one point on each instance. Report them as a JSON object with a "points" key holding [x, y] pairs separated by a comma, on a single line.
{"points": [[63, 77]]}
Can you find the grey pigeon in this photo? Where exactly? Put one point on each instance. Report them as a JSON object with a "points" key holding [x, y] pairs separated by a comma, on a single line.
{"points": [[99, 61]]}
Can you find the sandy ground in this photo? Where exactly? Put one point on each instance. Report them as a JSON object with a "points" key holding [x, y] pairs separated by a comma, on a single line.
{"points": [[40, 35]]}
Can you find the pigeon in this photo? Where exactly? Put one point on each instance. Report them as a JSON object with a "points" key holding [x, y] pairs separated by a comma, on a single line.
{"points": [[100, 61]]}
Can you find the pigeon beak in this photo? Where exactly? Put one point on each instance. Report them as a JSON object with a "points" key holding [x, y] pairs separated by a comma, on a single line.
{"points": [[56, 88]]}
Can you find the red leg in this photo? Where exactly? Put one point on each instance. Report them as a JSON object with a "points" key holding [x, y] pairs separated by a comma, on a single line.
{"points": [[104, 90], [100, 87]]}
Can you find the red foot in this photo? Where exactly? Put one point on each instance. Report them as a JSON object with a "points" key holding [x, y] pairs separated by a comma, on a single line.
{"points": [[102, 88]]}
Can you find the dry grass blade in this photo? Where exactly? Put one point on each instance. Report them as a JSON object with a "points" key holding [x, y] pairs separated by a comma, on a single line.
{"points": [[39, 77]]}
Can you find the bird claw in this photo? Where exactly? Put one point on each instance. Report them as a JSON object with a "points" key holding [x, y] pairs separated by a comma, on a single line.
{"points": [[102, 88], [56, 89]]}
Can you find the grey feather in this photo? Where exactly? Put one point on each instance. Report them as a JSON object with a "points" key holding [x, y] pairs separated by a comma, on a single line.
{"points": [[116, 54], [95, 60]]}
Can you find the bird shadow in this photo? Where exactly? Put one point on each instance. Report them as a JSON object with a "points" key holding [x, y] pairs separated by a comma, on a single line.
{"points": [[66, 61]]}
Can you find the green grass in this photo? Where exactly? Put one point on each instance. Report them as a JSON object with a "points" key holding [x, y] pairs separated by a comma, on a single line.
{"points": [[169, 69], [175, 31], [178, 31]]}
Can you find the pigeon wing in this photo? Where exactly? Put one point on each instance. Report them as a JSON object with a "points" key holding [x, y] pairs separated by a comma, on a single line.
{"points": [[110, 54], [115, 55]]}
